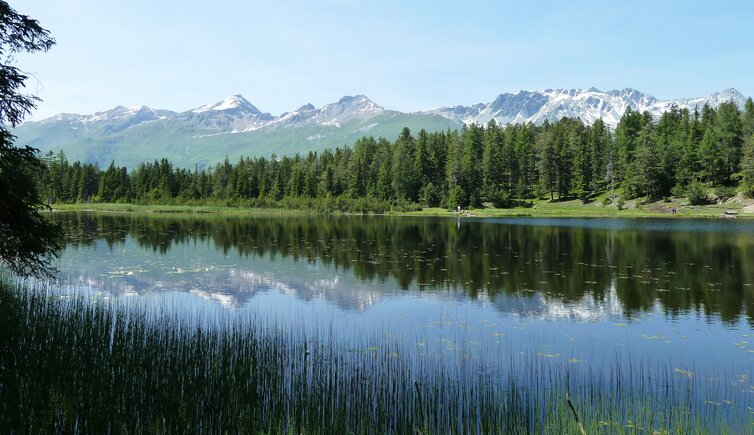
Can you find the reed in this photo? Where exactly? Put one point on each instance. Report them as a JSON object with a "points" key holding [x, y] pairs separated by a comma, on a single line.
{"points": [[70, 365]]}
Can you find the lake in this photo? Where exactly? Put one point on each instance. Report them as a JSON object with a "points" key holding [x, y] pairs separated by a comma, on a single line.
{"points": [[582, 293]]}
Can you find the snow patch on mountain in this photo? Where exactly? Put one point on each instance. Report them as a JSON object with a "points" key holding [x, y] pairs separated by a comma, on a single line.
{"points": [[587, 104], [235, 114], [235, 103]]}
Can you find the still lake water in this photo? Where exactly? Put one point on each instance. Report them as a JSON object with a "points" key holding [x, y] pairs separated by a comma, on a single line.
{"points": [[582, 292]]}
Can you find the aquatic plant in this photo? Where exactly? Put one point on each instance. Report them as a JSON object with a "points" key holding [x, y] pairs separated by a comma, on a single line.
{"points": [[76, 365]]}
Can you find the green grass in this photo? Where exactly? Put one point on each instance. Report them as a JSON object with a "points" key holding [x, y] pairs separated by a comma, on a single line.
{"points": [[158, 208], [637, 208], [575, 208], [77, 366]]}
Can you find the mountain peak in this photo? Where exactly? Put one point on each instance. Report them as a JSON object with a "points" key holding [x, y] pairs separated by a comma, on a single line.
{"points": [[587, 104], [730, 94], [359, 103], [233, 126], [235, 103]]}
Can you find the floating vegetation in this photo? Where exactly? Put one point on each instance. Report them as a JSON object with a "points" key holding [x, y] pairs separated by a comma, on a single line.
{"points": [[686, 373]]}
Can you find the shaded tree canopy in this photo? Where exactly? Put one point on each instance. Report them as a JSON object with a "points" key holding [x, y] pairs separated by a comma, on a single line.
{"points": [[28, 242]]}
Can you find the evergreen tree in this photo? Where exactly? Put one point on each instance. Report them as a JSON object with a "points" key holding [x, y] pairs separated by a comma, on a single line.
{"points": [[747, 119], [527, 158], [384, 185], [405, 178], [29, 241], [747, 166], [493, 171], [88, 183], [457, 196], [690, 165], [712, 158], [584, 164], [647, 170], [730, 134], [548, 169], [472, 150], [626, 136], [599, 143], [422, 162]]}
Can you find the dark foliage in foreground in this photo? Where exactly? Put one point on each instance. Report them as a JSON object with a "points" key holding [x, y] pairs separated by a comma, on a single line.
{"points": [[27, 241]]}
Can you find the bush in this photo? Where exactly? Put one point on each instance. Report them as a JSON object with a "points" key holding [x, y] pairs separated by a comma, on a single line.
{"points": [[678, 191], [428, 195], [501, 199], [620, 202], [725, 192], [457, 197], [697, 193], [749, 191], [404, 205]]}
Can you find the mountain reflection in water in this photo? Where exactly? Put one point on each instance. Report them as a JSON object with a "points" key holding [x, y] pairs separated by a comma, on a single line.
{"points": [[547, 268]]}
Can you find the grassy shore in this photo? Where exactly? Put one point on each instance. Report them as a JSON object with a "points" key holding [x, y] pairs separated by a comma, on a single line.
{"points": [[575, 208], [73, 365], [640, 208], [184, 209]]}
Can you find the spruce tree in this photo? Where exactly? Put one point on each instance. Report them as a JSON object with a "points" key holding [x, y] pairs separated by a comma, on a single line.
{"points": [[747, 119], [29, 241], [730, 134], [712, 158], [405, 178], [747, 166]]}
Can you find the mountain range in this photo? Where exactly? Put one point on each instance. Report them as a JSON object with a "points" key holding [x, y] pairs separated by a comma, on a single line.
{"points": [[234, 127]]}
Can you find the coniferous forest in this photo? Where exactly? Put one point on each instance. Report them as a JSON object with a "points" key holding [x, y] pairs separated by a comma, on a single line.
{"points": [[681, 152]]}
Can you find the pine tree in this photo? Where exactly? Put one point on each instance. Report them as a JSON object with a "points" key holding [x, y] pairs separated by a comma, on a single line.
{"points": [[421, 159], [584, 165], [493, 174], [712, 158], [88, 183], [472, 150], [730, 134], [599, 143], [548, 170], [405, 178], [457, 196], [29, 240], [528, 161], [647, 172], [626, 136], [747, 166], [747, 119]]}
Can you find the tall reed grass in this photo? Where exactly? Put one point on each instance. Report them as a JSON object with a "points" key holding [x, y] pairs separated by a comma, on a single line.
{"points": [[71, 366]]}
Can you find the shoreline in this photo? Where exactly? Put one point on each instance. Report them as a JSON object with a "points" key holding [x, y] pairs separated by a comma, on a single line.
{"points": [[568, 209]]}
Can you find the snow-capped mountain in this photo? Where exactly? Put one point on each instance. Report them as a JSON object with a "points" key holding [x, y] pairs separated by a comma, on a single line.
{"points": [[587, 104], [234, 127], [236, 104], [347, 109], [231, 127], [131, 115]]}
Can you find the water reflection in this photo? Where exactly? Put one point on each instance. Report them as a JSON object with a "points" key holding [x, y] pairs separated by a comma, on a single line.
{"points": [[570, 268]]}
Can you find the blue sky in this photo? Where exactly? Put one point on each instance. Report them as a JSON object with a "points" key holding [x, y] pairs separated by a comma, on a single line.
{"points": [[405, 55]]}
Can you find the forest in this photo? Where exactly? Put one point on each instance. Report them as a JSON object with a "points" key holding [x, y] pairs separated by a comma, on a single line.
{"points": [[683, 153]]}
